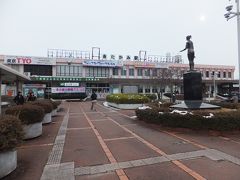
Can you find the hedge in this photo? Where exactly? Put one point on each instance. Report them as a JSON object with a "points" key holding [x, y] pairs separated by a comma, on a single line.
{"points": [[220, 121], [11, 132], [127, 98], [27, 113], [45, 104]]}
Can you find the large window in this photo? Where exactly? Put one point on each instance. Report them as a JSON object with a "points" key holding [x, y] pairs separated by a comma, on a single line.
{"points": [[131, 72], [147, 89], [147, 72], [207, 74], [68, 70], [115, 71], [139, 72], [41, 70], [224, 74], [97, 72], [123, 71], [229, 75]]}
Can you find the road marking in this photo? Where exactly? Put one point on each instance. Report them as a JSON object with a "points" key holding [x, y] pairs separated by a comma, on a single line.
{"points": [[189, 141], [156, 149], [121, 174], [120, 138]]}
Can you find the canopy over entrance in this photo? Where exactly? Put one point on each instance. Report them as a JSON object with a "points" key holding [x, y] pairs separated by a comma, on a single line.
{"points": [[10, 75]]}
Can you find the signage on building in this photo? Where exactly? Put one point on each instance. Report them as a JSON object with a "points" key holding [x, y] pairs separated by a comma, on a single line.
{"points": [[29, 60], [145, 64], [101, 63], [69, 84], [55, 78], [68, 89]]}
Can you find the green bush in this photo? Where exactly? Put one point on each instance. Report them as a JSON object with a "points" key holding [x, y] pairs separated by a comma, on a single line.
{"points": [[27, 113], [127, 98], [221, 121], [11, 132], [228, 105], [152, 97], [45, 104]]}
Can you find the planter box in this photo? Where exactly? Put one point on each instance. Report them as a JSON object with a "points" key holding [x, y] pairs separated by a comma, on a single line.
{"points": [[32, 130], [47, 118], [125, 106], [8, 162], [54, 112]]}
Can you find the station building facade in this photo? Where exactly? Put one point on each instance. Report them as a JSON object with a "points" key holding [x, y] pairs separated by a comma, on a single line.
{"points": [[61, 73]]}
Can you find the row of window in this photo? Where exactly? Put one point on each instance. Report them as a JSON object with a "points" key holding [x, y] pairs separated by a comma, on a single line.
{"points": [[131, 72], [97, 72], [218, 74], [65, 70]]}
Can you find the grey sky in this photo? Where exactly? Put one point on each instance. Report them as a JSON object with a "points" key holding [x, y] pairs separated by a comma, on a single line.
{"points": [[30, 27]]}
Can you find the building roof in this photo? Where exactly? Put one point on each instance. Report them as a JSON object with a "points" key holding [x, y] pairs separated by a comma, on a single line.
{"points": [[9, 74]]}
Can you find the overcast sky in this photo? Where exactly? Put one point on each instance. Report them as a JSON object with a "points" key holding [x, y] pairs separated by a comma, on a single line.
{"points": [[30, 27]]}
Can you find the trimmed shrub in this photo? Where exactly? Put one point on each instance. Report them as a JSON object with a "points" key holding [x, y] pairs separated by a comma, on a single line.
{"points": [[152, 97], [127, 98], [11, 132], [27, 113], [55, 104], [228, 105], [45, 104], [221, 121]]}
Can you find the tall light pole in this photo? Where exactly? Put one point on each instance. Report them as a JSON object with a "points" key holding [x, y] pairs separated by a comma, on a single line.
{"points": [[229, 15]]}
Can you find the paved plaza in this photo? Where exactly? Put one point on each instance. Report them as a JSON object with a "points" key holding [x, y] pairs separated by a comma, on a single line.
{"points": [[109, 144]]}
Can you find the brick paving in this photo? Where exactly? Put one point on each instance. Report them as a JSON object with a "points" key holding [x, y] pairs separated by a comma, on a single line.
{"points": [[109, 144]]}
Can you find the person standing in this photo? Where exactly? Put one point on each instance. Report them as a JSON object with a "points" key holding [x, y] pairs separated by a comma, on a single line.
{"points": [[19, 99], [94, 99], [191, 53]]}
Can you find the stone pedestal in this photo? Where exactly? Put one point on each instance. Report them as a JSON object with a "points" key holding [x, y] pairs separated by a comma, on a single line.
{"points": [[192, 83]]}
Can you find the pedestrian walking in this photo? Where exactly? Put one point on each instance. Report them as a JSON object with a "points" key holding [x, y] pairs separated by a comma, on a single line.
{"points": [[19, 99], [31, 96], [94, 100]]}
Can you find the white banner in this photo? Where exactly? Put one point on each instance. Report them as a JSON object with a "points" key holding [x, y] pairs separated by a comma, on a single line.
{"points": [[101, 63], [68, 89], [29, 60]]}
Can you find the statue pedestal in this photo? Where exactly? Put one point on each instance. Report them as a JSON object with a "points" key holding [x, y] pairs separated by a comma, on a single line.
{"points": [[192, 83]]}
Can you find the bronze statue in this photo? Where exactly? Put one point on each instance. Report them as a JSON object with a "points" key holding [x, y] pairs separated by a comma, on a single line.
{"points": [[191, 54]]}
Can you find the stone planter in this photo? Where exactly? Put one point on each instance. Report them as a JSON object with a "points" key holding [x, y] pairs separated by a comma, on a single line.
{"points": [[47, 118], [125, 106], [8, 162], [54, 112], [32, 130]]}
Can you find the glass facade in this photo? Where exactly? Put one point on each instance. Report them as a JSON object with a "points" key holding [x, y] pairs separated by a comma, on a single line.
{"points": [[97, 72], [66, 70]]}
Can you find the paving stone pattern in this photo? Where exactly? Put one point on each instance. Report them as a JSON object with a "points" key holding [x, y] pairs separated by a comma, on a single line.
{"points": [[66, 171]]}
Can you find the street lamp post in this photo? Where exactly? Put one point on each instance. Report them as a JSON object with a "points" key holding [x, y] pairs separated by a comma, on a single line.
{"points": [[229, 15]]}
